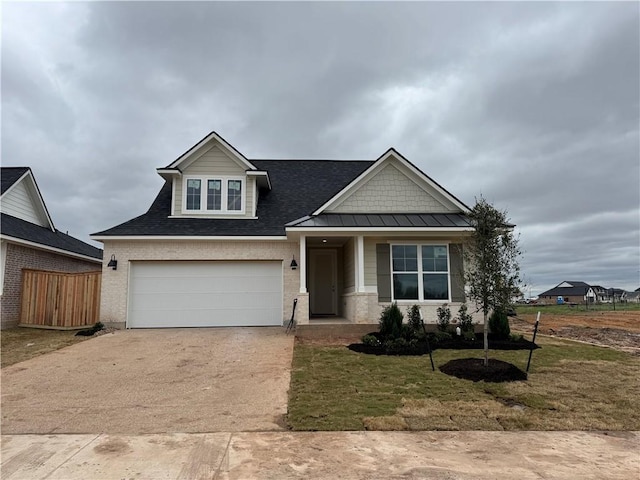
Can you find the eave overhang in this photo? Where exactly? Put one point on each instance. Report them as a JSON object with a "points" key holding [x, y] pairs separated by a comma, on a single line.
{"points": [[262, 178]]}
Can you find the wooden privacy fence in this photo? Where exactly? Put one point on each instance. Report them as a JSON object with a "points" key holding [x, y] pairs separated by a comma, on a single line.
{"points": [[60, 300]]}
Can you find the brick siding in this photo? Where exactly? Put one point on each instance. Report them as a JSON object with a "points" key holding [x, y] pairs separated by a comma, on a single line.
{"points": [[115, 288]]}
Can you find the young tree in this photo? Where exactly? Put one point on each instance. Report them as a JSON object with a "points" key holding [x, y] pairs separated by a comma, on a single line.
{"points": [[492, 272]]}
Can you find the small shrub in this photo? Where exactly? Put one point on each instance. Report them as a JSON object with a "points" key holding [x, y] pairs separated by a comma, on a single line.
{"points": [[444, 317], [465, 319], [396, 346], [469, 336], [439, 337], [371, 341], [515, 337], [407, 332], [391, 321], [499, 324], [413, 318]]}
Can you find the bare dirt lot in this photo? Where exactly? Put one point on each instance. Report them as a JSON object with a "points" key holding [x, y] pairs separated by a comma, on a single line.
{"points": [[614, 329]]}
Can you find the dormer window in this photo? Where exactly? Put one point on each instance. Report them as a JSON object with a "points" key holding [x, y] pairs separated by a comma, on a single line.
{"points": [[209, 195], [234, 195], [214, 194]]}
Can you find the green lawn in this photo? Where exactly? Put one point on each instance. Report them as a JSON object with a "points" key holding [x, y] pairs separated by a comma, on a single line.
{"points": [[576, 309], [571, 386]]}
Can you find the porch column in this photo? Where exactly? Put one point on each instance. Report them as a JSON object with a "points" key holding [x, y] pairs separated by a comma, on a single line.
{"points": [[303, 264], [360, 263]]}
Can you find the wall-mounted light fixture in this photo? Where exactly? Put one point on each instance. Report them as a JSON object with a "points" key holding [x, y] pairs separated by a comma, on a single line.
{"points": [[113, 263], [294, 264]]}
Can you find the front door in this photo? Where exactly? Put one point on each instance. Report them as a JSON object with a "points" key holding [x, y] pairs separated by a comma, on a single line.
{"points": [[323, 295]]}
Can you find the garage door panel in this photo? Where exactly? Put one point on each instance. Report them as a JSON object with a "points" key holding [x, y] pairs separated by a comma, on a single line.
{"points": [[199, 294]]}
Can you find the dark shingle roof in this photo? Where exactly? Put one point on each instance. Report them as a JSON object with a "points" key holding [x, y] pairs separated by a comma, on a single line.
{"points": [[298, 188], [18, 228], [576, 288], [10, 175]]}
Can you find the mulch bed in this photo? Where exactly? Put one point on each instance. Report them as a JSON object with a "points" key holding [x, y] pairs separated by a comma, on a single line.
{"points": [[473, 369], [455, 343]]}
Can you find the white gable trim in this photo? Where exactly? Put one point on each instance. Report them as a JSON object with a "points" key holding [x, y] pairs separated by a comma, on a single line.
{"points": [[376, 167], [32, 187], [200, 147]]}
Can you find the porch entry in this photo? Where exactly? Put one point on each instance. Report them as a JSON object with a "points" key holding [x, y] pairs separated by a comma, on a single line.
{"points": [[323, 281]]}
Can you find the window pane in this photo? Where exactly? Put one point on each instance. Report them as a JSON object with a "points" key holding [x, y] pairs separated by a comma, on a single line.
{"points": [[193, 194], [434, 258], [405, 258], [405, 286], [214, 194], [441, 265], [436, 286], [234, 195]]}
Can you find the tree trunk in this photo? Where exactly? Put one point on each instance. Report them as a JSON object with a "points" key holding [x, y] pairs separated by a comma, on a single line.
{"points": [[486, 341]]}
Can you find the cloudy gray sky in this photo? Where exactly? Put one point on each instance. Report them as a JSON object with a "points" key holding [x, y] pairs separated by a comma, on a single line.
{"points": [[533, 105]]}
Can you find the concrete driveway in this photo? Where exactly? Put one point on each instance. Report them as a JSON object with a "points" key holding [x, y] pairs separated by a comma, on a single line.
{"points": [[153, 381]]}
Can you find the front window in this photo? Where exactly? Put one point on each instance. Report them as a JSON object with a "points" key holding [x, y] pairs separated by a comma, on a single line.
{"points": [[213, 195], [420, 272]]}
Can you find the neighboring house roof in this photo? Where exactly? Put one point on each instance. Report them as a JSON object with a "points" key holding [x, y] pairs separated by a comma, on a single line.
{"points": [[21, 196], [298, 188], [568, 288], [16, 228], [25, 219], [11, 175]]}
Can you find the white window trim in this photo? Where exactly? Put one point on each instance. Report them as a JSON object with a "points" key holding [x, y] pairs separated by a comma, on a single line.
{"points": [[203, 195], [420, 298]]}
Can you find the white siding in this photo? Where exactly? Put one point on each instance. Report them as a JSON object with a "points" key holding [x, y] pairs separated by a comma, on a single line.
{"points": [[19, 202]]}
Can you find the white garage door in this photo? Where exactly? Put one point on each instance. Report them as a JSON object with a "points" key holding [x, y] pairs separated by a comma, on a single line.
{"points": [[204, 294]]}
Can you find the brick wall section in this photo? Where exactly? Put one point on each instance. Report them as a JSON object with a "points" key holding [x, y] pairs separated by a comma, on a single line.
{"points": [[115, 283], [19, 257]]}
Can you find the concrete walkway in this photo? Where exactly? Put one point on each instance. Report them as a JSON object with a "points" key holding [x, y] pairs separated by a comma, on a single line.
{"points": [[311, 455]]}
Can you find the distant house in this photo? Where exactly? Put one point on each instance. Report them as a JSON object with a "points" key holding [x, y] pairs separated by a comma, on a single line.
{"points": [[617, 295], [570, 291], [29, 240], [633, 297], [602, 294]]}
